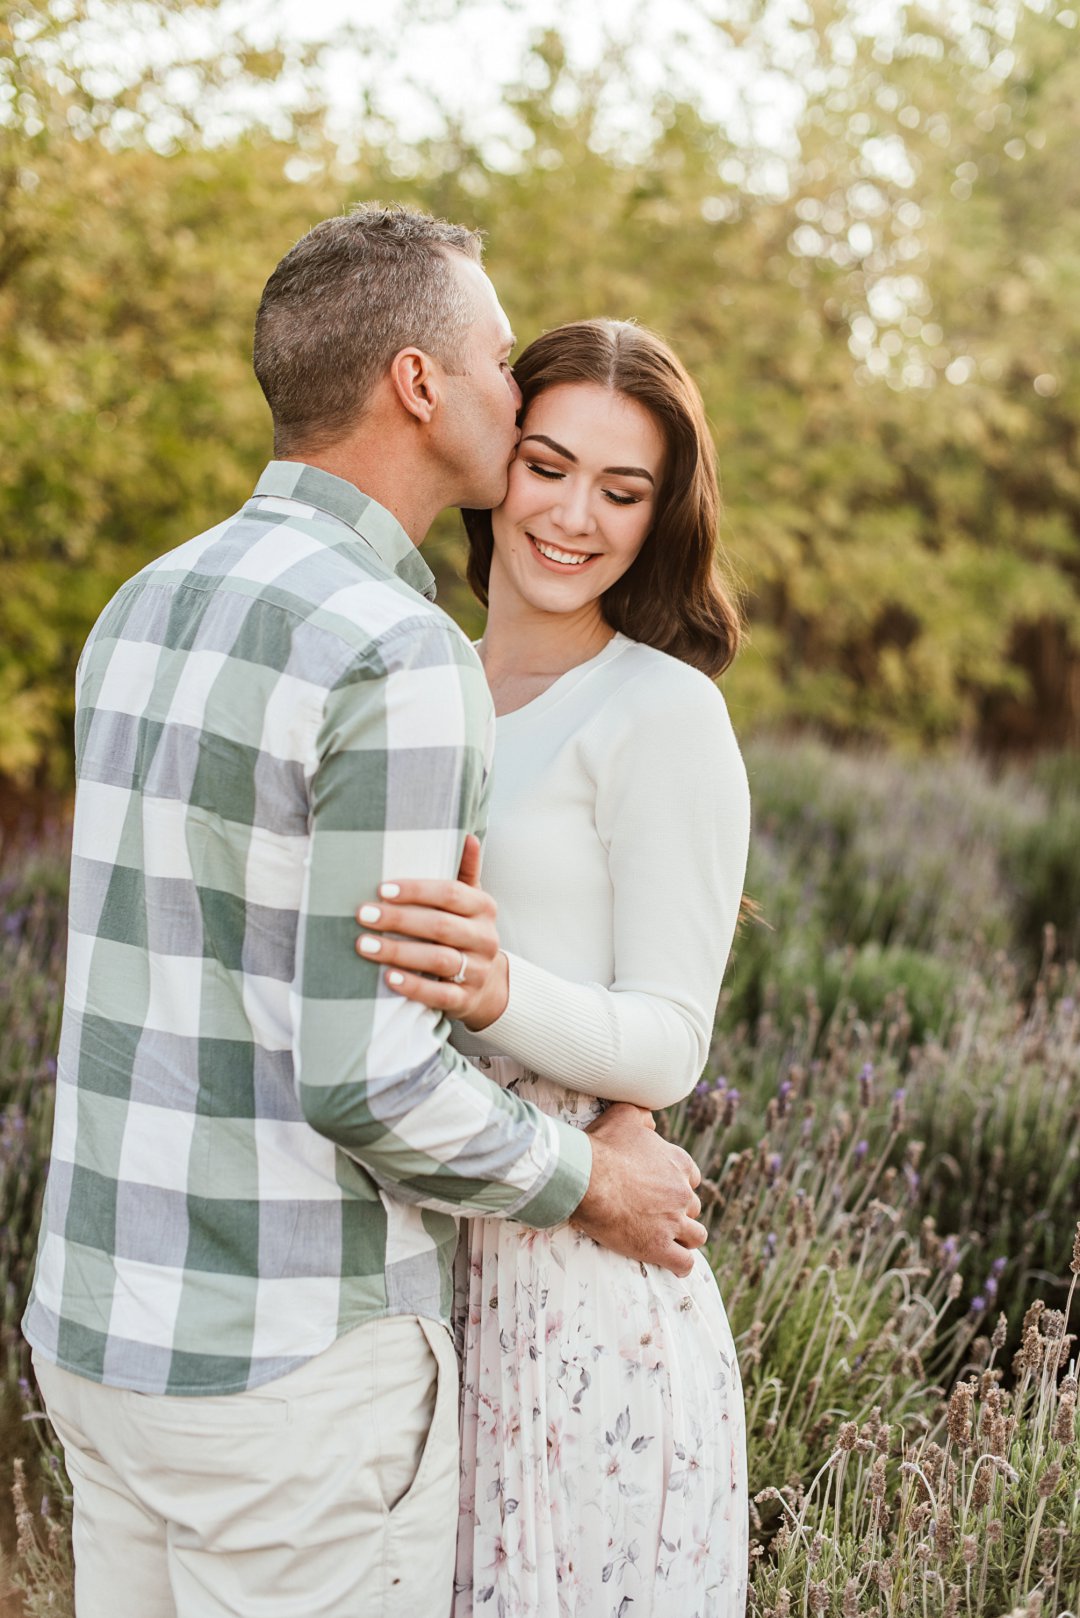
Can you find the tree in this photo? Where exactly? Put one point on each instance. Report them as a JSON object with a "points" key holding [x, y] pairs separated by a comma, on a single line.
{"points": [[131, 257], [886, 335]]}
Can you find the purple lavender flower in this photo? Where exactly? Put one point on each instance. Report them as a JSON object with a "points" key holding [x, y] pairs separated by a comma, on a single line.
{"points": [[978, 1304], [13, 923], [865, 1080], [861, 1150]]}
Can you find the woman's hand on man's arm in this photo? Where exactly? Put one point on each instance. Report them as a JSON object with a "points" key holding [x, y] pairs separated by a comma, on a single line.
{"points": [[425, 932]]}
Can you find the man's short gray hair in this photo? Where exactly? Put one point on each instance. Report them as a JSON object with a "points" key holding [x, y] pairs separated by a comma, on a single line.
{"points": [[351, 294]]}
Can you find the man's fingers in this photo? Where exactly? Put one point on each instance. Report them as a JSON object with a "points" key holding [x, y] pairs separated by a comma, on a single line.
{"points": [[692, 1234], [677, 1260], [693, 1207], [693, 1173]]}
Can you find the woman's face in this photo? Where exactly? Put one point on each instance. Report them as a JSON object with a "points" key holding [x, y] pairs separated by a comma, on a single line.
{"points": [[580, 500]]}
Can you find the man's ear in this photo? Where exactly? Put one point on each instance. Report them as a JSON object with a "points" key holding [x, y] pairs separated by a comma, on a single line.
{"points": [[415, 377]]}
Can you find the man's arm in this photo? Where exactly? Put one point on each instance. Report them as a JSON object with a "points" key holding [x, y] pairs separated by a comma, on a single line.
{"points": [[398, 781]]}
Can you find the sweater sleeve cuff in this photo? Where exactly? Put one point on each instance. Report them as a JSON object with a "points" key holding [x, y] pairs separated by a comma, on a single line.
{"points": [[555, 1026], [566, 1186]]}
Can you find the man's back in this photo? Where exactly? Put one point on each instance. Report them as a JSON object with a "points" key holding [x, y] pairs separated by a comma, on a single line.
{"points": [[200, 1235]]}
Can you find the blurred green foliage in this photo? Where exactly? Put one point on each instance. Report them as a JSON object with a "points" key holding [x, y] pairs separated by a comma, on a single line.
{"points": [[886, 338]]}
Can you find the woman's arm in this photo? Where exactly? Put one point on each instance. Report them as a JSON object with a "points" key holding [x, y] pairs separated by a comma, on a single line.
{"points": [[672, 809]]}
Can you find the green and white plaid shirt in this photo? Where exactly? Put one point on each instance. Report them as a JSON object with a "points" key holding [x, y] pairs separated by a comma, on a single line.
{"points": [[258, 1146]]}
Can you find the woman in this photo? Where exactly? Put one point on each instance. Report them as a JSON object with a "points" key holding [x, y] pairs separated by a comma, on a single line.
{"points": [[603, 1465]]}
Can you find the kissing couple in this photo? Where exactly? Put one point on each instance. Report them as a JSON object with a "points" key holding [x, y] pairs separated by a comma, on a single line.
{"points": [[318, 1104]]}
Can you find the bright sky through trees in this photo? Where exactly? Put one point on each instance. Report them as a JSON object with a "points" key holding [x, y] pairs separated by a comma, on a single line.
{"points": [[459, 58]]}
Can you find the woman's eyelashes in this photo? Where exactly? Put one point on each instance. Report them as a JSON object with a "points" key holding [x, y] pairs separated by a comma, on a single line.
{"points": [[552, 476]]}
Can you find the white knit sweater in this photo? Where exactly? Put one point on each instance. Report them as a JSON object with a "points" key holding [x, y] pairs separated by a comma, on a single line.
{"points": [[616, 850]]}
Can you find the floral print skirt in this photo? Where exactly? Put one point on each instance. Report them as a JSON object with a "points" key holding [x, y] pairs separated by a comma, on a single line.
{"points": [[603, 1448]]}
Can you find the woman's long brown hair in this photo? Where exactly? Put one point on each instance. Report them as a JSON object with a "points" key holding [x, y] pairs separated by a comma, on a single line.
{"points": [[673, 596]]}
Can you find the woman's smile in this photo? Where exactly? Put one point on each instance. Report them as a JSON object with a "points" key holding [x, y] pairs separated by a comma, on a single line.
{"points": [[558, 557]]}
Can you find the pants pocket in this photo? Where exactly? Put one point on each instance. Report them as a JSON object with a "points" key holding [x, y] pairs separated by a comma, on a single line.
{"points": [[441, 1435], [426, 1514]]}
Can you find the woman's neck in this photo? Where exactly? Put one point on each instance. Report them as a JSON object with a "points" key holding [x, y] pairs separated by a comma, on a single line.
{"points": [[525, 650]]}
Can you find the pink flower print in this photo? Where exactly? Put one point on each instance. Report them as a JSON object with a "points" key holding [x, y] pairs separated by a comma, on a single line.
{"points": [[528, 1238], [487, 1418], [581, 1382], [511, 1432], [556, 1438], [553, 1326], [500, 1556]]}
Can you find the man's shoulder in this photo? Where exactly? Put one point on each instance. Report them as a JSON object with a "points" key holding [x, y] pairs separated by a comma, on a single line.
{"points": [[299, 569]]}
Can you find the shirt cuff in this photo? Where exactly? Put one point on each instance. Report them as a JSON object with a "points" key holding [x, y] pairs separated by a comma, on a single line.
{"points": [[566, 1186]]}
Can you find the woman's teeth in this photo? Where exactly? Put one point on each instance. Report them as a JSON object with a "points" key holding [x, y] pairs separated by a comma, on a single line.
{"points": [[554, 555]]}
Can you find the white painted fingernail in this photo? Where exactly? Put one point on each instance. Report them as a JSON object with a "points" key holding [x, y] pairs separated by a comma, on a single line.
{"points": [[389, 890], [370, 946], [395, 978], [369, 914]]}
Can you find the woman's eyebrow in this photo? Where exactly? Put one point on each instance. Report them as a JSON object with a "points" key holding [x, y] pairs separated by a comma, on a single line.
{"points": [[560, 449]]}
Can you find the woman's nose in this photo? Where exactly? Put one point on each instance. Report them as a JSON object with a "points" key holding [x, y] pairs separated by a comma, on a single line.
{"points": [[574, 512]]}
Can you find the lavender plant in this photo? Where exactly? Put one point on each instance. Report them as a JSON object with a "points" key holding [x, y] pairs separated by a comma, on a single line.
{"points": [[977, 1515]]}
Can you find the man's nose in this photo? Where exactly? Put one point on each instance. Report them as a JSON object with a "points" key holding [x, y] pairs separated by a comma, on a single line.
{"points": [[515, 391]]}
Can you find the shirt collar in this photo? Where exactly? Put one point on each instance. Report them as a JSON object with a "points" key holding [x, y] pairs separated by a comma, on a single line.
{"points": [[311, 486]]}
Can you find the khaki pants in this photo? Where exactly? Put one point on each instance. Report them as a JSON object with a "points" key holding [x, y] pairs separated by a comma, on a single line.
{"points": [[329, 1493]]}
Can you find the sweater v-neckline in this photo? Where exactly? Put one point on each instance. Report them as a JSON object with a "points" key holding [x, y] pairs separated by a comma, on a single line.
{"points": [[560, 687]]}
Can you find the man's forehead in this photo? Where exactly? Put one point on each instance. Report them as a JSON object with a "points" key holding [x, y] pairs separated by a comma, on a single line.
{"points": [[489, 311]]}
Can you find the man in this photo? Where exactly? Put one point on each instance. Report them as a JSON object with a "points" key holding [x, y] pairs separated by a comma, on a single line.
{"points": [[239, 1313]]}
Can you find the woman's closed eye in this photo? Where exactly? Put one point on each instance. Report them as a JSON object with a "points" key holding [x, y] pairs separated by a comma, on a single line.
{"points": [[552, 475]]}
